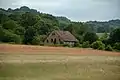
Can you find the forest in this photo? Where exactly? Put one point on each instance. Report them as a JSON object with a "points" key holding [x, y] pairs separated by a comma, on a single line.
{"points": [[29, 26]]}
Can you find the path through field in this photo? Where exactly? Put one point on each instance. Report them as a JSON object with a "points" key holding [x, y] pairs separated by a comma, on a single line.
{"points": [[27, 49]]}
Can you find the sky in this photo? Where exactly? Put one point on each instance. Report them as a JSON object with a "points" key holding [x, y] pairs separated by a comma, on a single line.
{"points": [[76, 10]]}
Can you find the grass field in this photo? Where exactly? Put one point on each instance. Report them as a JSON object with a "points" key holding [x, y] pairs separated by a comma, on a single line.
{"points": [[101, 34], [59, 65]]}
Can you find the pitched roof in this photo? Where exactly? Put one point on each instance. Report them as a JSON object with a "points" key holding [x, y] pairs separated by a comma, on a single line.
{"points": [[66, 36]]}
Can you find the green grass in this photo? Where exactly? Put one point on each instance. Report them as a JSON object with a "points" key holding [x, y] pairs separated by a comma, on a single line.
{"points": [[101, 34], [75, 68]]}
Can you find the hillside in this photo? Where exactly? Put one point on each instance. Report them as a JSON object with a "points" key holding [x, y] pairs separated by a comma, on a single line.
{"points": [[100, 27], [107, 26], [29, 26]]}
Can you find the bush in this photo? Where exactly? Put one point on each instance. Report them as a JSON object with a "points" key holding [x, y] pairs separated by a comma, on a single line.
{"points": [[86, 44], [91, 37], [10, 37], [77, 45], [11, 24], [66, 45], [36, 40], [19, 31], [98, 45], [115, 36], [117, 46], [109, 48], [101, 48]]}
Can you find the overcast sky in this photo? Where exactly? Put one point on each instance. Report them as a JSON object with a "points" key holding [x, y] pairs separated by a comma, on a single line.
{"points": [[76, 10]]}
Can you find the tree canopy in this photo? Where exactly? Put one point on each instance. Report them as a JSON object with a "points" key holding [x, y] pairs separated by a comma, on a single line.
{"points": [[28, 26]]}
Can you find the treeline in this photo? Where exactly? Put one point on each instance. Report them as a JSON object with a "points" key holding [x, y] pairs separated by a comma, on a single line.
{"points": [[28, 26]]}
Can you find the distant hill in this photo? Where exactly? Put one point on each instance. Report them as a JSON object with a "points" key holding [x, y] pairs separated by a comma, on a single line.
{"points": [[106, 26], [20, 10], [63, 22]]}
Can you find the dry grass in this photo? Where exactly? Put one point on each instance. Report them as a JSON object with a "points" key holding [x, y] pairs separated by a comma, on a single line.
{"points": [[59, 67], [62, 64]]}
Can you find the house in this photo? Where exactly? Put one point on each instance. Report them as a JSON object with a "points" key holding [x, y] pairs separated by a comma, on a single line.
{"points": [[60, 37]]}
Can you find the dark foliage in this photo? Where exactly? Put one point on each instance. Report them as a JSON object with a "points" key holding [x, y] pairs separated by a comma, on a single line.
{"points": [[91, 37], [28, 26], [98, 45], [109, 48], [115, 36]]}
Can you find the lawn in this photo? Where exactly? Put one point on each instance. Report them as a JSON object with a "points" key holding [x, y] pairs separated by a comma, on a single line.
{"points": [[59, 67]]}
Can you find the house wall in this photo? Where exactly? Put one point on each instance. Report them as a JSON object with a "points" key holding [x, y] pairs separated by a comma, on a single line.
{"points": [[53, 38]]}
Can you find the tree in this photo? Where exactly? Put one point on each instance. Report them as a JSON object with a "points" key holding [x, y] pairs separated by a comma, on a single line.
{"points": [[77, 44], [91, 37], [104, 36], [117, 46], [86, 44], [3, 18], [28, 19], [109, 48], [36, 40], [11, 25], [20, 30], [98, 45], [1, 33], [43, 28], [15, 17], [29, 35], [115, 36], [7, 36], [71, 29]]}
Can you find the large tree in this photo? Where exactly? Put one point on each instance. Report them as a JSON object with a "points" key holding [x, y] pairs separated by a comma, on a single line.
{"points": [[115, 36], [28, 19], [29, 35], [91, 37], [7, 36], [10, 24]]}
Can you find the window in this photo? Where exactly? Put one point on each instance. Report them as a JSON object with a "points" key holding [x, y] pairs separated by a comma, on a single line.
{"points": [[47, 41], [51, 40]]}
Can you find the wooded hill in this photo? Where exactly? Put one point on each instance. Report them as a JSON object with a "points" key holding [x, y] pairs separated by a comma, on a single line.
{"points": [[27, 26]]}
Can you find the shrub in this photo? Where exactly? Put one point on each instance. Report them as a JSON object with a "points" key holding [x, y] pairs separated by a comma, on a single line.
{"points": [[10, 24], [86, 44], [36, 40], [117, 46], [66, 45], [115, 36], [98, 45], [109, 48], [91, 37], [10, 37], [57, 45], [77, 45], [101, 48]]}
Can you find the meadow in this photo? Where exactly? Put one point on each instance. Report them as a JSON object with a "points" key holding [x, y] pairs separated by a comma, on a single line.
{"points": [[59, 65]]}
